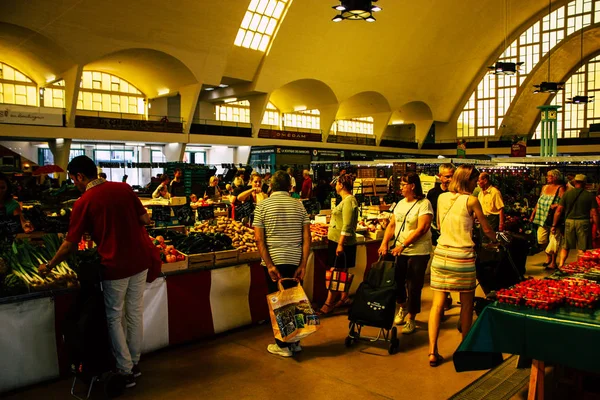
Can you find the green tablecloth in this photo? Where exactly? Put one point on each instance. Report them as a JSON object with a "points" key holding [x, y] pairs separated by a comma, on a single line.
{"points": [[566, 336]]}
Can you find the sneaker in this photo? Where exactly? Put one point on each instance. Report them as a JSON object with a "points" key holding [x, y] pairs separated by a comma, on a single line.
{"points": [[400, 317], [295, 347], [136, 371], [409, 327], [278, 351], [129, 380]]}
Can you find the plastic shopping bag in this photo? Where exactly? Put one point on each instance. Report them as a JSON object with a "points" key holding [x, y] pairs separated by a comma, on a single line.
{"points": [[292, 316], [554, 244]]}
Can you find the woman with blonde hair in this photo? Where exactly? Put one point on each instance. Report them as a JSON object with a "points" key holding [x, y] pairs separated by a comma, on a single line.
{"points": [[213, 191], [453, 264], [253, 194], [549, 199]]}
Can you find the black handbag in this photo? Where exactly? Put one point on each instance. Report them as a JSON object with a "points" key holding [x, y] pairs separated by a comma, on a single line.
{"points": [[375, 300], [550, 217]]}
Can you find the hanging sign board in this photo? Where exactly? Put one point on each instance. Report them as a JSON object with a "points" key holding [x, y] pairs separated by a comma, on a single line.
{"points": [[30, 116], [518, 149]]}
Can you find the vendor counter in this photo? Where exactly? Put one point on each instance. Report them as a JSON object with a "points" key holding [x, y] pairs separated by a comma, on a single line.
{"points": [[180, 307]]}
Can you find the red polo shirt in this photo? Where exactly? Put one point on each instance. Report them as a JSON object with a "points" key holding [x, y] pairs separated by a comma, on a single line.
{"points": [[110, 213], [306, 188]]}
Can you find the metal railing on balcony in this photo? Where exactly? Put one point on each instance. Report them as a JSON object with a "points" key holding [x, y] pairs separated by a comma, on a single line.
{"points": [[128, 122], [220, 128]]}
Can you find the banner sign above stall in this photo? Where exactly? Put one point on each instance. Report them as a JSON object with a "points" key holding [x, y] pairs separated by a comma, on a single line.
{"points": [[288, 135], [283, 150], [518, 148], [30, 115]]}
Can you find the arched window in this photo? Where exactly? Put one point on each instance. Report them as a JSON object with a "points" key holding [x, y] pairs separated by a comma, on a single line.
{"points": [[100, 91], [235, 111], [16, 88], [271, 116], [572, 118], [53, 95], [487, 106], [362, 125], [309, 119], [260, 23]]}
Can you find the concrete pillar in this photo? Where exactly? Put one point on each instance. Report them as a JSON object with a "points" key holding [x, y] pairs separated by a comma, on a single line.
{"points": [[258, 105], [328, 114], [421, 130], [174, 151], [380, 123], [60, 149], [206, 110], [72, 79], [189, 99]]}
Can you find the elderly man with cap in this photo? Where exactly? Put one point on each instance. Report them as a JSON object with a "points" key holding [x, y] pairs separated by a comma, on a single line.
{"points": [[491, 202], [576, 206]]}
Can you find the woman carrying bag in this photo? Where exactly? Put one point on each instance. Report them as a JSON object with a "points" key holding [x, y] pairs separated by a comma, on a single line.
{"points": [[342, 240], [543, 213], [412, 247]]}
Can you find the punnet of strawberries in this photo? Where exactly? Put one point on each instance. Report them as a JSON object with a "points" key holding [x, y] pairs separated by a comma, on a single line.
{"points": [[546, 294]]}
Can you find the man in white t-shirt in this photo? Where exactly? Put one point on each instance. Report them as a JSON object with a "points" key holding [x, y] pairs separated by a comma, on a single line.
{"points": [[290, 172]]}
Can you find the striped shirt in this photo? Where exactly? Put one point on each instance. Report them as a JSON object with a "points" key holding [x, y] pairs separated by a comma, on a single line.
{"points": [[283, 219]]}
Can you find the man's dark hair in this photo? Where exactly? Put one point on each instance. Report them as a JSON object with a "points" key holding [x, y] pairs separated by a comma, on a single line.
{"points": [[281, 182], [83, 165], [178, 170], [164, 177]]}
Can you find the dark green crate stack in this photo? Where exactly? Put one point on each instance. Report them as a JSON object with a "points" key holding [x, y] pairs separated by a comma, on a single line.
{"points": [[195, 177]]}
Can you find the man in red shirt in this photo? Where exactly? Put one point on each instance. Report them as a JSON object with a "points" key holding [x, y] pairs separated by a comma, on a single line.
{"points": [[114, 217], [307, 186]]}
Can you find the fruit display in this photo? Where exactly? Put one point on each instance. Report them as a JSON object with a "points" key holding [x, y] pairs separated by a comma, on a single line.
{"points": [[168, 252], [242, 237], [546, 294], [318, 232]]}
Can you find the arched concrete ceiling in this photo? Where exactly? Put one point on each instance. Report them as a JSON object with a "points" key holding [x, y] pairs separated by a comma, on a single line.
{"points": [[363, 105], [413, 111], [307, 94], [523, 115], [31, 53], [428, 51], [149, 70]]}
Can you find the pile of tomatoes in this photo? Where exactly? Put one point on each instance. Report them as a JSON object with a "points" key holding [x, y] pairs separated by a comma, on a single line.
{"points": [[168, 253]]}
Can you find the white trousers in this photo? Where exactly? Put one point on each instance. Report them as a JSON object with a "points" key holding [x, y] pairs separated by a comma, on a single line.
{"points": [[126, 339]]}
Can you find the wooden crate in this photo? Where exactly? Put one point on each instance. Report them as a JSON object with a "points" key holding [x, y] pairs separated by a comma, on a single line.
{"points": [[249, 256], [204, 260], [226, 257], [176, 266]]}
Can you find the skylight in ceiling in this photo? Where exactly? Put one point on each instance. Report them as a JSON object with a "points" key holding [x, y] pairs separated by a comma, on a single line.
{"points": [[260, 23]]}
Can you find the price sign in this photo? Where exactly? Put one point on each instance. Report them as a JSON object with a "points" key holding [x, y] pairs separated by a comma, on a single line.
{"points": [[185, 215], [162, 214], [206, 212], [9, 227], [244, 210]]}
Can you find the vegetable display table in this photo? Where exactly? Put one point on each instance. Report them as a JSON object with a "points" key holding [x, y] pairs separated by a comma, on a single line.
{"points": [[564, 336]]}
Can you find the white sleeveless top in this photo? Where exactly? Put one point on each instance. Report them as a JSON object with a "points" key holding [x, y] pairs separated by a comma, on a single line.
{"points": [[456, 222]]}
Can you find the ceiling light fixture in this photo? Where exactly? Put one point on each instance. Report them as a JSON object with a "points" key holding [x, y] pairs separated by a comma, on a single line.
{"points": [[356, 10], [222, 85], [208, 89], [230, 100], [549, 86], [505, 67], [580, 99]]}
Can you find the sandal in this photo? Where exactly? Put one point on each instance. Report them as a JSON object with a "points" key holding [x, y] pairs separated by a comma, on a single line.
{"points": [[326, 309], [343, 303], [438, 360]]}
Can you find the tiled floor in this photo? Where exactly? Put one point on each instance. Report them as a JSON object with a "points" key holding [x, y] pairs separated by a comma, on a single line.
{"points": [[237, 365]]}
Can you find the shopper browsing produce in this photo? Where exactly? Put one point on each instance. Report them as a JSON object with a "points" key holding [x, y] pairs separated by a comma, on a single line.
{"points": [[410, 235], [453, 264], [212, 191], [544, 210], [342, 239], [177, 187], [282, 232], [491, 202], [162, 191], [9, 206], [307, 185], [254, 194], [577, 207], [114, 217]]}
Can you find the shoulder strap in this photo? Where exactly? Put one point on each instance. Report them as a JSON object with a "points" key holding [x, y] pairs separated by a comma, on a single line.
{"points": [[555, 195], [447, 212], [403, 223]]}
